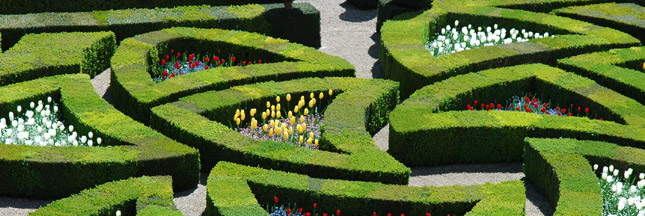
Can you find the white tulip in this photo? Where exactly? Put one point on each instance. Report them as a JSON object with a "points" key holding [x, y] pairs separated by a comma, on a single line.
{"points": [[99, 140], [626, 174], [616, 172], [470, 26], [604, 175], [55, 109], [641, 176], [443, 31], [49, 99], [633, 189], [456, 23], [19, 108], [83, 139], [71, 128], [118, 213], [90, 143], [75, 143], [32, 105], [14, 123], [10, 116], [621, 203], [448, 28], [90, 135], [495, 26]]}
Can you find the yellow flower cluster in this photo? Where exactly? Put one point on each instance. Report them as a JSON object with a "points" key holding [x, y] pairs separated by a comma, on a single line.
{"points": [[275, 125]]}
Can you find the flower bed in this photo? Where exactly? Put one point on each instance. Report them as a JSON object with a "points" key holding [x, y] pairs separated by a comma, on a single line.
{"points": [[176, 64], [622, 196], [293, 210], [297, 128], [452, 39], [534, 105], [41, 125]]}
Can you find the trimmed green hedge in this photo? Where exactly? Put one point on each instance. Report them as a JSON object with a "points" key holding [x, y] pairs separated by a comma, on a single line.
{"points": [[300, 25], [416, 4], [388, 9], [135, 92], [428, 129], [53, 172], [561, 169], [627, 17], [47, 54], [350, 152], [609, 69], [404, 58], [38, 6], [235, 189], [142, 196], [364, 4]]}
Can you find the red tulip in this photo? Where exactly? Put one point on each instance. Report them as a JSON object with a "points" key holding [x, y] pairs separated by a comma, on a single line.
{"points": [[219, 63], [499, 106], [288, 211], [173, 75], [534, 100], [578, 109], [428, 214], [233, 59], [571, 106], [218, 51], [601, 119], [178, 54], [215, 58], [517, 108], [243, 62], [559, 113], [206, 59], [527, 99], [196, 62], [172, 50], [260, 61], [250, 63], [167, 57], [529, 110], [487, 106], [569, 114], [300, 210], [402, 214], [543, 109], [163, 61], [308, 214], [557, 108], [587, 110], [337, 211], [315, 205], [564, 110], [389, 214], [482, 106], [275, 199], [165, 73], [325, 214], [475, 102], [206, 68], [373, 213]]}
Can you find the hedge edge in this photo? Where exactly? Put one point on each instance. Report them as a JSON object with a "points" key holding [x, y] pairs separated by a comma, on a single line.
{"points": [[445, 136], [141, 195], [362, 107], [235, 189], [135, 93], [616, 15]]}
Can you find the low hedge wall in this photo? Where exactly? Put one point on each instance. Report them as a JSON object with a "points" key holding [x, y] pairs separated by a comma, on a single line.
{"points": [[561, 169], [364, 4], [609, 69], [38, 6], [47, 54], [269, 19], [350, 152], [134, 91], [404, 58], [388, 9], [130, 148], [235, 189], [140, 196], [627, 17], [441, 134]]}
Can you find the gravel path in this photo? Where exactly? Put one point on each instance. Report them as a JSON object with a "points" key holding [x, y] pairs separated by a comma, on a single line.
{"points": [[348, 33]]}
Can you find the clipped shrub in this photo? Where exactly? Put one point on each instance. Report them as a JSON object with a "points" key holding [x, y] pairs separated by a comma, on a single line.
{"points": [[427, 129], [364, 4], [627, 17], [235, 189], [269, 19], [202, 120], [133, 64], [142, 196]]}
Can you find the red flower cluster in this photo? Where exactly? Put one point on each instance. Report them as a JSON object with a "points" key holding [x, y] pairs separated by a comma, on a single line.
{"points": [[184, 64], [527, 104]]}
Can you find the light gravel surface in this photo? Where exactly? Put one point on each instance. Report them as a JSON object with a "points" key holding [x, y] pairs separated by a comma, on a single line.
{"points": [[348, 33]]}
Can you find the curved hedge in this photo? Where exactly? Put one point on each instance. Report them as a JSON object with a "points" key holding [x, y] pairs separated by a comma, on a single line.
{"points": [[364, 4], [87, 53], [37, 6], [612, 69], [426, 129], [142, 196], [350, 153], [269, 19], [561, 168], [388, 9], [235, 189], [404, 57], [627, 17], [135, 92]]}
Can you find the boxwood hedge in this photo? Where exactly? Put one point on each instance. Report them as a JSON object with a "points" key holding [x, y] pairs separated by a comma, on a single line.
{"points": [[235, 189], [135, 92], [627, 17], [561, 169], [130, 148], [37, 6], [429, 129], [404, 58], [364, 4], [349, 151], [87, 53], [388, 9], [269, 19], [141, 196], [618, 69]]}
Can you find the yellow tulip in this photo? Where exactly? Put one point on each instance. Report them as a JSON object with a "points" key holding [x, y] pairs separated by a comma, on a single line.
{"points": [[278, 107], [316, 143], [277, 114], [311, 95], [235, 116], [268, 112], [238, 121], [237, 112], [268, 104], [271, 123], [242, 116], [254, 123], [271, 132], [302, 119], [290, 114], [311, 134], [288, 97], [264, 115], [311, 103], [302, 98], [277, 130], [309, 141], [643, 65], [286, 135], [299, 128], [272, 114], [296, 109], [331, 92], [252, 112], [306, 111], [321, 95], [301, 139], [290, 130], [272, 107], [277, 99], [304, 127], [292, 120], [265, 127]]}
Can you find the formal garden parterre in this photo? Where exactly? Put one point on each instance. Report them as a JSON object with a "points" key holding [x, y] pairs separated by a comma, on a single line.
{"points": [[231, 89]]}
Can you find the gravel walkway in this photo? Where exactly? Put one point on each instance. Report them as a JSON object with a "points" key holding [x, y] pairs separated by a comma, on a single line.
{"points": [[348, 33]]}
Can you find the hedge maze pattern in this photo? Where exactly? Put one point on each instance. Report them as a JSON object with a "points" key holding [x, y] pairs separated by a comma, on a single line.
{"points": [[158, 137]]}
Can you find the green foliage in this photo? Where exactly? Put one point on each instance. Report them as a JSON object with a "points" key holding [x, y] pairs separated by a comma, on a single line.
{"points": [[364, 4], [135, 92], [29, 60], [201, 120], [430, 129], [269, 19], [627, 17], [233, 186], [132, 149], [146, 195]]}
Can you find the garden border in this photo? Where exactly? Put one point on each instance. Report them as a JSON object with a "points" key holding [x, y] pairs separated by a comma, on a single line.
{"points": [[606, 14]]}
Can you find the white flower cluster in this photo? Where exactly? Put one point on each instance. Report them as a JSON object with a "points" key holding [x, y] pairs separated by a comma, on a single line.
{"points": [[622, 197], [39, 126], [451, 39]]}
